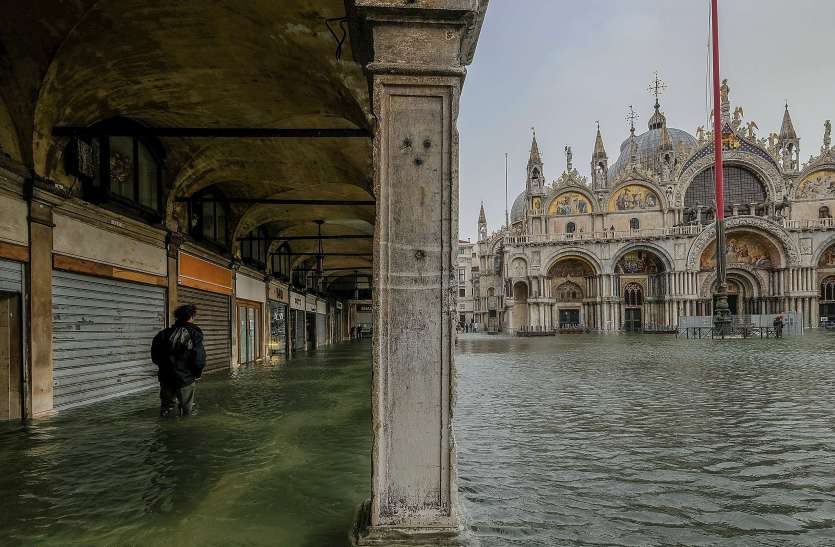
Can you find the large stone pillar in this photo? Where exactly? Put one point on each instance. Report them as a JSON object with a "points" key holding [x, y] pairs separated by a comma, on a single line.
{"points": [[173, 242], [419, 51], [40, 391]]}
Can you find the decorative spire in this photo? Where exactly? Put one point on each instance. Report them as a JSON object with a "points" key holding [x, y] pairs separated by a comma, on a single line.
{"points": [[631, 117], [599, 150], [666, 141], [482, 218], [787, 130], [535, 157], [657, 88]]}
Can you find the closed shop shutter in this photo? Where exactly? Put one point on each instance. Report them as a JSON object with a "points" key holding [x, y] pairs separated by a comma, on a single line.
{"points": [[321, 329], [298, 330], [11, 276], [213, 316], [101, 334]]}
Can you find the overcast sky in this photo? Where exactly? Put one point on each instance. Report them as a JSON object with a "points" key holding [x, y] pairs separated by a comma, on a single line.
{"points": [[560, 66]]}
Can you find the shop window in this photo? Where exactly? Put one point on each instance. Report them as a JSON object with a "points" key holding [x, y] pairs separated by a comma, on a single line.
{"points": [[634, 224], [281, 262], [823, 212], [125, 172], [249, 331], [208, 214], [254, 248]]}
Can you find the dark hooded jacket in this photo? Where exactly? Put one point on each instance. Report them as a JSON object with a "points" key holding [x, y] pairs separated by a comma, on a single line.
{"points": [[179, 354]]}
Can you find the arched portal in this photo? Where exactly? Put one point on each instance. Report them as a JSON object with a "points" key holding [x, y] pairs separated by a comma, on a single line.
{"points": [[642, 281], [572, 282], [520, 305], [744, 292]]}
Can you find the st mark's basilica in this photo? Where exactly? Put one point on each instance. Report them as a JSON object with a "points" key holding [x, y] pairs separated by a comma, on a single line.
{"points": [[631, 246]]}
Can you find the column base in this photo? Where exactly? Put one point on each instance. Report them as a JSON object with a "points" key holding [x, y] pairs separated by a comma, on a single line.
{"points": [[363, 534]]}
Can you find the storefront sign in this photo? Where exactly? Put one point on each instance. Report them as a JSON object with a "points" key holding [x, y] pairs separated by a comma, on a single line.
{"points": [[322, 307], [249, 288], [364, 308], [201, 274], [278, 292], [296, 301]]}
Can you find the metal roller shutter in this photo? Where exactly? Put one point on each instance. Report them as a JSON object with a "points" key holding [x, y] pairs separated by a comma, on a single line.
{"points": [[321, 329], [101, 334], [298, 330], [213, 316], [11, 276]]}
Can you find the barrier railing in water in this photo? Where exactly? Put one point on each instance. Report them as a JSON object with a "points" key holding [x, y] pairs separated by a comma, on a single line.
{"points": [[741, 326]]}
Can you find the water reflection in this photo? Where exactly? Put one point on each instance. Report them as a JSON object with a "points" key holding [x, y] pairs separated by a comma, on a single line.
{"points": [[277, 456], [647, 440]]}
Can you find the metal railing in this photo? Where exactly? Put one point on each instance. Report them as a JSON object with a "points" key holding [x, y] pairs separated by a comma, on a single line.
{"points": [[744, 326], [606, 235]]}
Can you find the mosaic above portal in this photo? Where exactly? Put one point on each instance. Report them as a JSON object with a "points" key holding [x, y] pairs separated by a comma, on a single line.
{"points": [[633, 197], [828, 258], [570, 203], [571, 267], [820, 184], [639, 262], [742, 249]]}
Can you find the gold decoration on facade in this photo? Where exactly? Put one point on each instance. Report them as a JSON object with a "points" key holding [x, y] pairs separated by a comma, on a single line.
{"points": [[633, 197], [820, 184], [570, 203]]}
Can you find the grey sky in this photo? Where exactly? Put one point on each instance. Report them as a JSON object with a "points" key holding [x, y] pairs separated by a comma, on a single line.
{"points": [[560, 65]]}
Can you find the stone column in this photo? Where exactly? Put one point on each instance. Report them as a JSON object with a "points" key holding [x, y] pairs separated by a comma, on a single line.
{"points": [[39, 284], [173, 241], [419, 51]]}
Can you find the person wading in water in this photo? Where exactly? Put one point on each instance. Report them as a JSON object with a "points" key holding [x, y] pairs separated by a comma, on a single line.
{"points": [[178, 352]]}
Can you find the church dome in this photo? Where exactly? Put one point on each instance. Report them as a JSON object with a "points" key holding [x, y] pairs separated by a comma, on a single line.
{"points": [[517, 212], [647, 147]]}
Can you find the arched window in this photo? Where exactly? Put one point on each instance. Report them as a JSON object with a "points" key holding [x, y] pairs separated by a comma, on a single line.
{"points": [[254, 247], [281, 262], [741, 187], [570, 228], [828, 289], [208, 212], [633, 294], [124, 171], [823, 212], [634, 224]]}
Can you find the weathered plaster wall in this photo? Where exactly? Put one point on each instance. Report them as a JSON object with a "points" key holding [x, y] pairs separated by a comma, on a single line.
{"points": [[14, 225], [77, 239]]}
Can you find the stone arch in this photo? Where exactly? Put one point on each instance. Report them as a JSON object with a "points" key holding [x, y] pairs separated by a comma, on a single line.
{"points": [[518, 267], [789, 251], [766, 171], [568, 291], [9, 139], [580, 254], [755, 279], [659, 252], [821, 250]]}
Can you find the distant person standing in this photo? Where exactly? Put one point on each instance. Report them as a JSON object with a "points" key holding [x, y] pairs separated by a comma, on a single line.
{"points": [[778, 326], [179, 354]]}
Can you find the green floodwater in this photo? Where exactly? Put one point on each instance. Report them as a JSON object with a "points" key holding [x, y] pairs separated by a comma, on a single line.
{"points": [[572, 440], [277, 456]]}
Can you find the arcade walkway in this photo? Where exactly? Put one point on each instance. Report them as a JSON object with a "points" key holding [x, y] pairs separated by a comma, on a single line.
{"points": [[278, 456]]}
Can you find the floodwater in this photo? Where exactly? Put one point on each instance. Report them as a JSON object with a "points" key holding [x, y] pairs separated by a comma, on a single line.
{"points": [[574, 440], [647, 440], [277, 456]]}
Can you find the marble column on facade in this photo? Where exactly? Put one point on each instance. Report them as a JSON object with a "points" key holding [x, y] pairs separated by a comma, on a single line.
{"points": [[416, 71]]}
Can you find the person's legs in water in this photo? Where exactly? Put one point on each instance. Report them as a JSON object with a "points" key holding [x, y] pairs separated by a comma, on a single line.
{"points": [[185, 396], [168, 396]]}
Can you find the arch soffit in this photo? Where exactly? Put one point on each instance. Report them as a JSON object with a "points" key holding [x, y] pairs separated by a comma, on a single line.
{"points": [[756, 279], [769, 176], [577, 254], [771, 231], [659, 252]]}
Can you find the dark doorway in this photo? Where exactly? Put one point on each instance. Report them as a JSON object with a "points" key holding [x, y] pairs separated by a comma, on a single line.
{"points": [[11, 358], [733, 300], [632, 320], [828, 311], [311, 331], [569, 318]]}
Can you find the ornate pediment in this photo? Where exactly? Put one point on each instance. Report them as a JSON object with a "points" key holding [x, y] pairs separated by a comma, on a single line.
{"points": [[570, 178]]}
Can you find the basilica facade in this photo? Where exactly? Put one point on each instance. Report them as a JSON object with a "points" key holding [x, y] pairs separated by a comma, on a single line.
{"points": [[631, 246]]}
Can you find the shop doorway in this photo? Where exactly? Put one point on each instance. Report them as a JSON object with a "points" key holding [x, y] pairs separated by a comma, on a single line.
{"points": [[311, 330], [11, 358]]}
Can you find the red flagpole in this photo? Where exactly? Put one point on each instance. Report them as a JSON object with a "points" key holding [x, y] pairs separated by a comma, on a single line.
{"points": [[717, 118]]}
